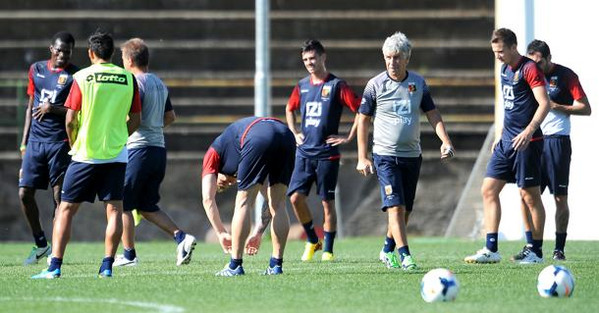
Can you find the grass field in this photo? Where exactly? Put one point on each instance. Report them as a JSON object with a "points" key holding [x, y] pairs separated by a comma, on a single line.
{"points": [[356, 282]]}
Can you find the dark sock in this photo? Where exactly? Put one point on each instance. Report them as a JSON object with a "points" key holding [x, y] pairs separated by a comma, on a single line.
{"points": [[129, 254], [106, 264], [234, 263], [403, 252], [537, 247], [275, 262], [528, 235], [179, 236], [329, 241], [389, 245], [310, 232], [54, 264], [40, 240], [560, 241], [492, 242]]}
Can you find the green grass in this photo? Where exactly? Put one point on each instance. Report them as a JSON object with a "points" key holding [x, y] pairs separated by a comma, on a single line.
{"points": [[356, 282]]}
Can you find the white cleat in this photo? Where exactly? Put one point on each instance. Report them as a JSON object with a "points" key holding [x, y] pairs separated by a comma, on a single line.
{"points": [[184, 249], [121, 260], [483, 255], [530, 257]]}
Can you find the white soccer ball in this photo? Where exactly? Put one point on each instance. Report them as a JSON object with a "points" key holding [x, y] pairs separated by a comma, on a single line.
{"points": [[555, 281], [439, 285]]}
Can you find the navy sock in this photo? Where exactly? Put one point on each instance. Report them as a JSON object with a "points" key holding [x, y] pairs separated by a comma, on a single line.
{"points": [[329, 241], [492, 242], [234, 263], [106, 264], [310, 232], [537, 247], [403, 252], [54, 264], [528, 235], [179, 236], [40, 239], [129, 254], [275, 262], [389, 245], [560, 241]]}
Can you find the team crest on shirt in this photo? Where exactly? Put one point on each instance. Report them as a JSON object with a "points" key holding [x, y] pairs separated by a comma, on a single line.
{"points": [[326, 91], [553, 82], [388, 190], [516, 76], [62, 79], [412, 87]]}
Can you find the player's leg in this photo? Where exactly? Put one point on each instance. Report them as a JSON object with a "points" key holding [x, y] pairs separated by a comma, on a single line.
{"points": [[327, 172], [409, 169], [532, 197], [33, 175], [562, 217], [279, 227], [526, 221], [557, 154]]}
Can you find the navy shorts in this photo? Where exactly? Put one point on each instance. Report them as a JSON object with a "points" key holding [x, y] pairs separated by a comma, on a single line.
{"points": [[520, 167], [43, 163], [83, 181], [145, 172], [268, 151], [555, 164], [307, 171], [398, 178]]}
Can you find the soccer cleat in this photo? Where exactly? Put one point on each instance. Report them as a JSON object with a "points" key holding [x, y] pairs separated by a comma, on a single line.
{"points": [[228, 272], [184, 249], [277, 270], [45, 274], [309, 250], [327, 257], [36, 254], [390, 259], [530, 257], [559, 255], [483, 255], [121, 260], [520, 255], [105, 274], [408, 263]]}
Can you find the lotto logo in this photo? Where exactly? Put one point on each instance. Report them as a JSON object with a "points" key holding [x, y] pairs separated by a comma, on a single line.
{"points": [[110, 78]]}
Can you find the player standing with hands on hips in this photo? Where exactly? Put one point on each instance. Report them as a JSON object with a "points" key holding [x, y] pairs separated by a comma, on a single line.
{"points": [[393, 100]]}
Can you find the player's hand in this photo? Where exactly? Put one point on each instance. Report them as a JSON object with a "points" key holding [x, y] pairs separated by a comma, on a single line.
{"points": [[252, 244], [335, 140], [447, 152], [521, 141], [39, 112], [224, 239], [299, 139], [365, 167]]}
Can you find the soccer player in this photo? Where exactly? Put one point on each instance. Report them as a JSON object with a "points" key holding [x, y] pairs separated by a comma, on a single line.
{"points": [[45, 147], [320, 98], [393, 100], [566, 98], [147, 158], [103, 110], [516, 153], [255, 152]]}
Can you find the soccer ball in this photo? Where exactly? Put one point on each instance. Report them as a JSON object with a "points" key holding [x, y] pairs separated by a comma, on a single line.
{"points": [[439, 285], [555, 281]]}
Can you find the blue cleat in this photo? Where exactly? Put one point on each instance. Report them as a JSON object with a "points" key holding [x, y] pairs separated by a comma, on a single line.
{"points": [[45, 274], [277, 270], [105, 274], [228, 272]]}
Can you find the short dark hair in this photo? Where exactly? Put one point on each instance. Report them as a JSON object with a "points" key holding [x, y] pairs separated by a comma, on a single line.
{"points": [[313, 45], [136, 50], [504, 35], [101, 44], [65, 37], [538, 46]]}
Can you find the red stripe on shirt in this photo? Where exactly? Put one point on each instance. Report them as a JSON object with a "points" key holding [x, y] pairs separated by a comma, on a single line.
{"points": [[211, 162], [349, 98], [294, 100]]}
